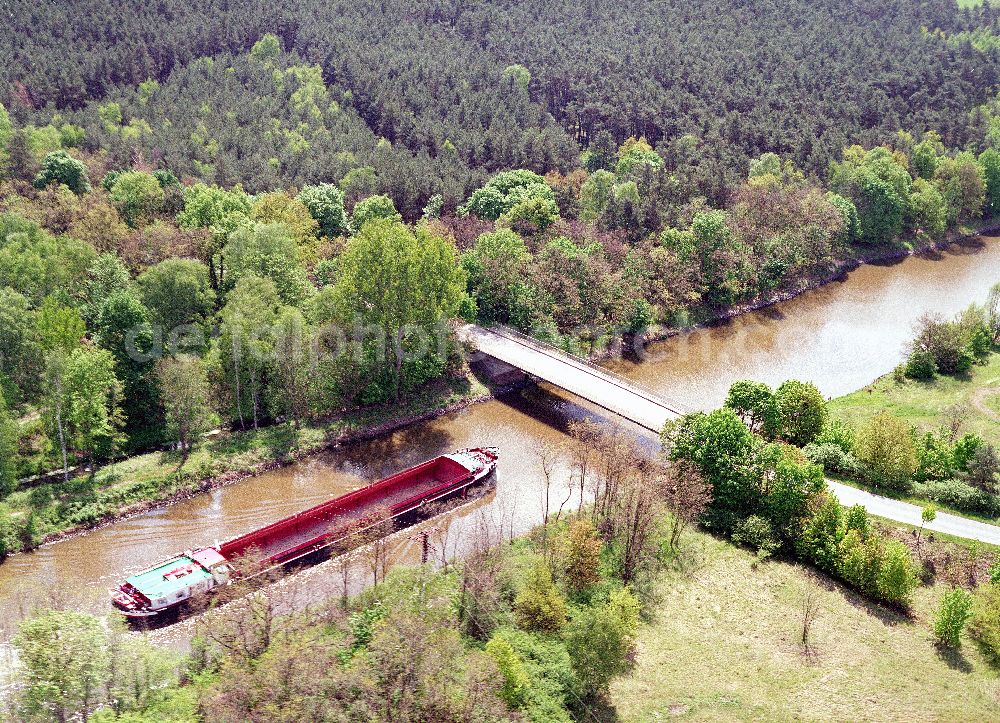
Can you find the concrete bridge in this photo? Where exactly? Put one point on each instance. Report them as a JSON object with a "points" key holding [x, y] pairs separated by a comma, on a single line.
{"points": [[575, 375]]}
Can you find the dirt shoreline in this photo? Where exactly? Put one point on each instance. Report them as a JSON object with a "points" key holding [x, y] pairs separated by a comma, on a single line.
{"points": [[838, 269]]}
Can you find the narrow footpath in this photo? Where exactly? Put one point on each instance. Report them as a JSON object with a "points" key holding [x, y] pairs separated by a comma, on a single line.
{"points": [[910, 514]]}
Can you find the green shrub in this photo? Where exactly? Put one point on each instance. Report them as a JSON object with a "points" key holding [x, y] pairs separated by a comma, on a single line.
{"points": [[920, 365], [897, 575], [984, 627], [756, 533], [549, 670], [600, 642], [959, 495], [838, 433], [832, 457], [539, 606], [935, 458], [803, 411], [951, 617], [583, 556], [60, 167], [515, 679], [819, 540], [886, 451]]}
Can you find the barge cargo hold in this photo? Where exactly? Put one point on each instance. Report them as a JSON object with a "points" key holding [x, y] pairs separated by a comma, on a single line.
{"points": [[168, 585]]}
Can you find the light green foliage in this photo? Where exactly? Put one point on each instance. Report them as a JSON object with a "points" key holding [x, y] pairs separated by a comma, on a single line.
{"points": [[635, 153], [549, 671], [504, 191], [682, 243], [920, 364], [984, 627], [928, 514], [137, 195], [951, 617], [756, 405], [20, 356], [538, 213], [851, 230], [583, 556], [757, 533], [928, 211], [821, 535], [726, 269], [60, 327], [359, 183], [374, 208], [8, 450], [106, 275], [802, 409], [596, 194], [886, 450], [496, 267], [66, 664], [883, 570], [37, 264], [838, 433], [6, 130], [768, 164], [878, 184], [214, 208], [244, 347], [600, 639], [399, 280], [177, 292], [518, 75], [989, 161], [722, 447], [325, 203], [266, 49], [184, 394], [60, 167], [962, 183], [926, 155], [539, 606], [93, 415], [279, 207], [146, 90], [294, 368], [267, 251], [515, 679]]}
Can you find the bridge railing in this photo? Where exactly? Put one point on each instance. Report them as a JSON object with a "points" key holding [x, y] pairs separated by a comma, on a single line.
{"points": [[596, 369]]}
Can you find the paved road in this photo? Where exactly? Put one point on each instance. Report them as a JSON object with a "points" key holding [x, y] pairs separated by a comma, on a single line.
{"points": [[910, 514]]}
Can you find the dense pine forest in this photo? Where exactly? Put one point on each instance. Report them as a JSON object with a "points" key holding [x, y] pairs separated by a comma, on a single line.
{"points": [[230, 232], [178, 176]]}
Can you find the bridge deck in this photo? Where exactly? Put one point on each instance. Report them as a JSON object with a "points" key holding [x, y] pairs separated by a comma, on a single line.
{"points": [[572, 374]]}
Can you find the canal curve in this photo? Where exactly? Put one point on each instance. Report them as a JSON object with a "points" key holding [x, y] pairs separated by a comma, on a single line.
{"points": [[840, 336]]}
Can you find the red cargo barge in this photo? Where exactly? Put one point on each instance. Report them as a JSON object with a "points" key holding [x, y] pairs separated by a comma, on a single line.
{"points": [[169, 584]]}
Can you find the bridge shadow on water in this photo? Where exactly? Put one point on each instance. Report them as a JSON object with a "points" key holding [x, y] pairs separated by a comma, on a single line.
{"points": [[559, 409]]}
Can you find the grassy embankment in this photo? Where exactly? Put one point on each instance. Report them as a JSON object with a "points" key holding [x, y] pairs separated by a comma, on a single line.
{"points": [[725, 643], [139, 482], [926, 406]]}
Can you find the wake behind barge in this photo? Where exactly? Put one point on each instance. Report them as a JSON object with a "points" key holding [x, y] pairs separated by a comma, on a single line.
{"points": [[168, 585]]}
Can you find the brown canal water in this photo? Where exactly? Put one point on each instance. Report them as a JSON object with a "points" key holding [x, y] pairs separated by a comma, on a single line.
{"points": [[840, 336]]}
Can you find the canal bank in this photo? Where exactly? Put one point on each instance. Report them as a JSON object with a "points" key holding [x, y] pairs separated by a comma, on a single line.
{"points": [[839, 335]]}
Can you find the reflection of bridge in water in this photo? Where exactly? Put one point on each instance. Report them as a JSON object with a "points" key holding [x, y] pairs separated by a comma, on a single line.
{"points": [[575, 375]]}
